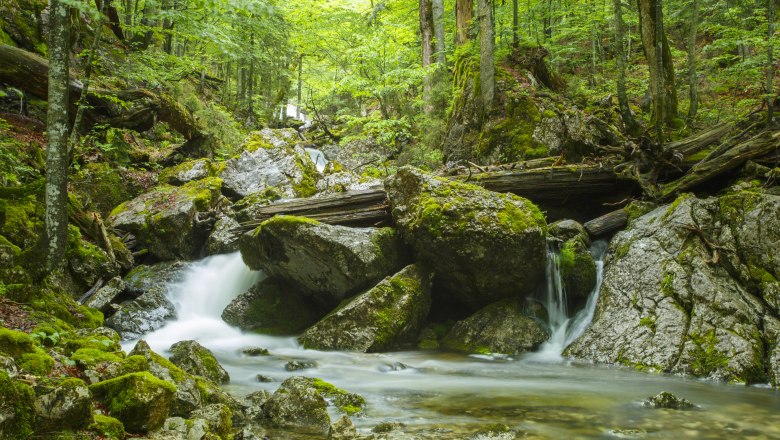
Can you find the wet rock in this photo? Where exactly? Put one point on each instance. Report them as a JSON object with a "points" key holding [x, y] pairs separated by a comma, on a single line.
{"points": [[272, 307], [342, 429], [688, 288], [139, 400], [298, 405], [67, 406], [263, 378], [107, 295], [198, 360], [384, 317], [578, 271], [299, 365], [502, 327], [270, 158], [17, 410], [386, 427], [255, 351], [171, 222], [219, 418], [327, 262], [176, 428], [222, 240], [565, 230], [187, 171], [667, 400], [483, 246], [253, 402]]}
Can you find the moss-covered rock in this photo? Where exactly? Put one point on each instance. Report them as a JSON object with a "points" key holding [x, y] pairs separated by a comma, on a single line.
{"points": [[272, 307], [67, 406], [483, 246], [102, 187], [382, 318], [15, 343], [198, 360], [188, 171], [17, 410], [169, 220], [324, 261], [23, 220], [578, 271], [219, 419], [139, 400], [108, 427], [502, 327], [38, 363], [87, 262]]}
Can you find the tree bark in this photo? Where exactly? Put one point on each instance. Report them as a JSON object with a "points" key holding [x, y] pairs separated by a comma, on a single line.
{"points": [[693, 79], [487, 81], [515, 24], [770, 71], [620, 32], [438, 32], [426, 38], [659, 60], [56, 218], [464, 13]]}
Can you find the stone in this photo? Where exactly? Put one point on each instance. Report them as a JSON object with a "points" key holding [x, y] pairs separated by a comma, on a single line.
{"points": [[196, 359], [326, 262], [274, 307], [139, 400], [688, 288], [8, 366], [176, 428], [385, 317], [270, 158], [501, 327], [187, 171], [87, 263], [170, 221], [565, 230], [219, 418], [578, 271], [263, 378], [342, 429], [299, 365], [483, 246], [667, 400], [298, 405], [222, 240], [255, 351], [107, 295], [67, 406], [253, 402]]}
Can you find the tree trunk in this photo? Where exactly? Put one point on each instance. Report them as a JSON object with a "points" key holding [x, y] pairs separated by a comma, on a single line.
{"points": [[426, 37], [56, 218], [515, 24], [300, 88], [770, 71], [625, 109], [487, 81], [438, 32], [693, 80], [464, 13], [659, 60]]}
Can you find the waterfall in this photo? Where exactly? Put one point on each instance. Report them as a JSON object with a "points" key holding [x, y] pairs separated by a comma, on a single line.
{"points": [[563, 328]]}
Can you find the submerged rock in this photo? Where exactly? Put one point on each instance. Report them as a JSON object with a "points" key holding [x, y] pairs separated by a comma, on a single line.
{"points": [[67, 406], [501, 327], [382, 318], [667, 400], [299, 365], [483, 246], [327, 262], [272, 307], [139, 400], [198, 360], [692, 288]]}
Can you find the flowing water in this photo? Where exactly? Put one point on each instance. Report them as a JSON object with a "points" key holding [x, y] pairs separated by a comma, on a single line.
{"points": [[450, 396]]}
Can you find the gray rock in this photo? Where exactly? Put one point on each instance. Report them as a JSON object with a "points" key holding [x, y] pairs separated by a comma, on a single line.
{"points": [[67, 406], [565, 230], [272, 307], [299, 365], [219, 418], [689, 287], [667, 400], [255, 351], [187, 171], [334, 182], [327, 262], [356, 153], [298, 405], [106, 295], [198, 360], [139, 400], [342, 429], [270, 158], [253, 404], [170, 221], [501, 327], [384, 317], [483, 246], [177, 428], [222, 240]]}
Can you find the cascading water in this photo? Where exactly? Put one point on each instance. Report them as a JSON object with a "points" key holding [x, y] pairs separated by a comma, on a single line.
{"points": [[563, 328]]}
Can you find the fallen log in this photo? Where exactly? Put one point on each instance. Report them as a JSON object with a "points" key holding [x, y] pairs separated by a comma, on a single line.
{"points": [[699, 141], [607, 223]]}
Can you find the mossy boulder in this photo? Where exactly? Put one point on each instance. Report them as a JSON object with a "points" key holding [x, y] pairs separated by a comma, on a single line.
{"points": [[108, 427], [270, 158], [15, 343], [324, 261], [198, 360], [67, 406], [87, 262], [501, 327], [102, 187], [22, 220], [688, 288], [170, 221], [382, 318], [17, 408], [578, 271], [483, 246], [188, 171], [140, 400], [272, 307]]}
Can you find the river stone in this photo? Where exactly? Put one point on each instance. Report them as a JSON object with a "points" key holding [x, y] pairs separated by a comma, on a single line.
{"points": [[219, 419], [177, 428], [691, 288], [270, 158], [327, 262], [501, 327], [170, 221], [383, 318], [198, 360], [565, 230], [342, 429], [667, 400], [298, 405], [67, 406], [222, 239], [139, 400], [483, 246], [272, 307], [253, 402]]}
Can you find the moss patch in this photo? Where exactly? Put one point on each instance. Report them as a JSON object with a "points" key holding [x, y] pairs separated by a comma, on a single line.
{"points": [[17, 400]]}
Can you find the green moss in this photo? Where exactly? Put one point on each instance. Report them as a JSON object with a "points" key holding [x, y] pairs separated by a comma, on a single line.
{"points": [[101, 187], [637, 209], [348, 403], [38, 363], [15, 343], [21, 422], [649, 322], [90, 357], [673, 206], [128, 399], [705, 357], [667, 284], [108, 427]]}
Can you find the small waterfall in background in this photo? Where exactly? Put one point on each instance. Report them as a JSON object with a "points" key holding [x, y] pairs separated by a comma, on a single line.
{"points": [[318, 158], [563, 328]]}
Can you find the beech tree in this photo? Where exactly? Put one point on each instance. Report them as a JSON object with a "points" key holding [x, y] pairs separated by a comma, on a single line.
{"points": [[487, 68]]}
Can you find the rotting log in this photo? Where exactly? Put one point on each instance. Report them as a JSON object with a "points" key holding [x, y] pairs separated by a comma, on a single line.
{"points": [[699, 141], [607, 223]]}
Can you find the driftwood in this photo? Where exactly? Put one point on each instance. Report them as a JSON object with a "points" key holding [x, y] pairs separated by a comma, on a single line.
{"points": [[607, 223]]}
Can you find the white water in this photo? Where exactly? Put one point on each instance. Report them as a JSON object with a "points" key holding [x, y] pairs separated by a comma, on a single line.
{"points": [[318, 157], [451, 396]]}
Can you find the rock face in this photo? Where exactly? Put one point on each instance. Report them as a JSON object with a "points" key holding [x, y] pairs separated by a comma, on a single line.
{"points": [[692, 287], [326, 262], [501, 327], [198, 360], [483, 246], [139, 400], [272, 307], [270, 158], [169, 221], [384, 317], [68, 405]]}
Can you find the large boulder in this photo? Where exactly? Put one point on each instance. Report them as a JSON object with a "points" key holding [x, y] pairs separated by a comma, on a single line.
{"points": [[383, 318], [67, 406], [140, 400], [692, 288], [272, 307], [198, 360], [170, 221], [270, 159], [327, 262], [483, 246], [501, 327]]}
